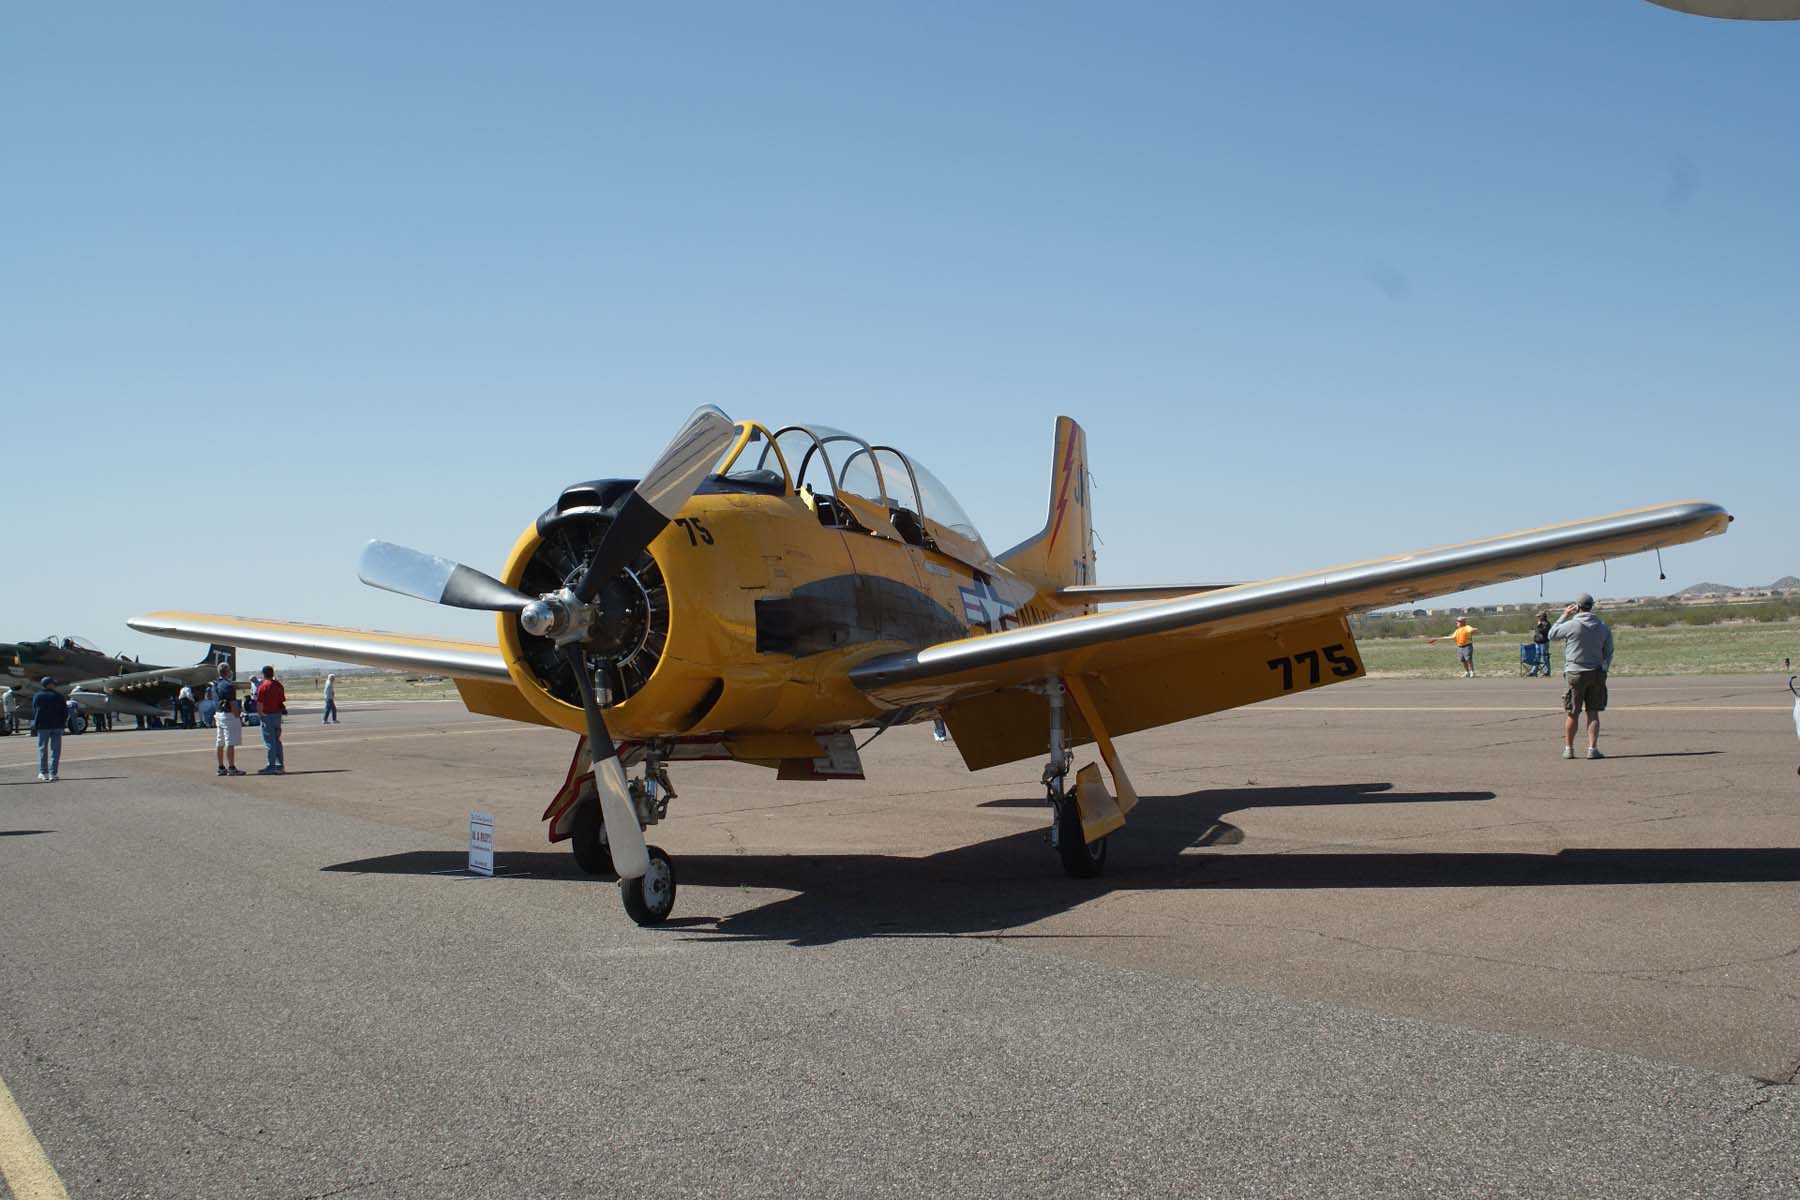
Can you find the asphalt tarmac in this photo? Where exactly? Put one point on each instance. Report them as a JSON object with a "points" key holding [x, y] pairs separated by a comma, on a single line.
{"points": [[1380, 940]]}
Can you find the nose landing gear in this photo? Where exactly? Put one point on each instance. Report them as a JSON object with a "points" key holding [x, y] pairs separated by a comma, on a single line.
{"points": [[649, 899]]}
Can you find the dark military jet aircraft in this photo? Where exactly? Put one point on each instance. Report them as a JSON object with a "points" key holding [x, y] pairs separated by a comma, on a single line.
{"points": [[96, 682]]}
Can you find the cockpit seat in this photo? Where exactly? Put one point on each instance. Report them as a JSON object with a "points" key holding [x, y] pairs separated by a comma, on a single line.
{"points": [[824, 507], [907, 524]]}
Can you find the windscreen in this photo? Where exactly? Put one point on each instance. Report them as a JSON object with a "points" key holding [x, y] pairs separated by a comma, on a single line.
{"points": [[940, 506]]}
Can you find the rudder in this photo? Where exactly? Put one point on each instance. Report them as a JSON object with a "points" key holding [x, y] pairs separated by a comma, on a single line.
{"points": [[1062, 553]]}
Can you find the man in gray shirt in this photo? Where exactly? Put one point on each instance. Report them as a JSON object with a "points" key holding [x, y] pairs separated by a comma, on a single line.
{"points": [[1587, 657]]}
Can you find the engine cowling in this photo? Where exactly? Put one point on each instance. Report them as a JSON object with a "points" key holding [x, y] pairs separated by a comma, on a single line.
{"points": [[624, 646], [625, 642]]}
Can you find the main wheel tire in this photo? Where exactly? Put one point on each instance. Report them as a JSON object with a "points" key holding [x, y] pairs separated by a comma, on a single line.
{"points": [[1081, 859], [591, 854], [78, 724], [649, 900]]}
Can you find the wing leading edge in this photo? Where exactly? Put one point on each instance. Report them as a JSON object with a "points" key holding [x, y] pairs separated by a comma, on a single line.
{"points": [[365, 647], [1087, 644]]}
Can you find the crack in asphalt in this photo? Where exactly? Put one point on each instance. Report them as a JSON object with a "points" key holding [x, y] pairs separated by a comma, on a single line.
{"points": [[1766, 1092], [1666, 977], [737, 846], [1737, 962], [260, 1138], [369, 1183]]}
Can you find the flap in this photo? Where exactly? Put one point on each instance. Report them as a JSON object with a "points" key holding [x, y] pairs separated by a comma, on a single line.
{"points": [[1218, 674]]}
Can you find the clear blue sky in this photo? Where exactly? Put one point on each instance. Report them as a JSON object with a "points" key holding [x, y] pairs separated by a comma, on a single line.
{"points": [[1323, 281]]}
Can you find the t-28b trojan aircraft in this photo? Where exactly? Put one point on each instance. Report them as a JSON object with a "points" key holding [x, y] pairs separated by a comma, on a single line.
{"points": [[758, 595]]}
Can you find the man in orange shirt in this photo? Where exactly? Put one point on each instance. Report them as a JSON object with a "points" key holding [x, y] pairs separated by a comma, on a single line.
{"points": [[1464, 636]]}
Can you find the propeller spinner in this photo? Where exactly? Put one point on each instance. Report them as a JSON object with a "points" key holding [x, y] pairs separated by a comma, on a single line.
{"points": [[567, 614]]}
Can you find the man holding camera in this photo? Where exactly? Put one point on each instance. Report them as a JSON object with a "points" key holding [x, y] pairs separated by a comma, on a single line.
{"points": [[1587, 657]]}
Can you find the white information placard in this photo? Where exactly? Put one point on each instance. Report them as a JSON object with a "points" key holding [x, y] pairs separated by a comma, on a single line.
{"points": [[481, 843]]}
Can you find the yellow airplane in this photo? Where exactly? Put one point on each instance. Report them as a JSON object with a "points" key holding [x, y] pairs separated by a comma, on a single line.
{"points": [[760, 595]]}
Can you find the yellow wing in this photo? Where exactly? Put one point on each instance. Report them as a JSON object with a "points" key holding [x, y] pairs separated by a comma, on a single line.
{"points": [[1152, 664]]}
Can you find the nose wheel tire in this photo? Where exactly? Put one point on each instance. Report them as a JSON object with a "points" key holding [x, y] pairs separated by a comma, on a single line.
{"points": [[592, 854], [1081, 859], [649, 900]]}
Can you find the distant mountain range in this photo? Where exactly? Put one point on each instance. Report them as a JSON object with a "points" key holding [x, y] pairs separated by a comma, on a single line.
{"points": [[1785, 583]]}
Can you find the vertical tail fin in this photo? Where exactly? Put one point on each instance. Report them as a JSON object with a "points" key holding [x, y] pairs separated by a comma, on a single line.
{"points": [[1062, 554], [216, 654]]}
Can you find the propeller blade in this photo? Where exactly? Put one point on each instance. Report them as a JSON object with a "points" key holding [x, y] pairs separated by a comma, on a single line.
{"points": [[428, 577], [624, 836], [659, 495]]}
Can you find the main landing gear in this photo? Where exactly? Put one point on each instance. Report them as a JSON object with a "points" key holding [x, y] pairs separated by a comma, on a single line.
{"points": [[650, 899], [1081, 859]]}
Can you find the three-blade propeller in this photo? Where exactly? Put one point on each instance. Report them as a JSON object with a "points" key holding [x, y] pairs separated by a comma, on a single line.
{"points": [[567, 614]]}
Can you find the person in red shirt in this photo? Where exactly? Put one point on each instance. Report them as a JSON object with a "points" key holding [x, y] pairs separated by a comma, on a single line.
{"points": [[271, 707]]}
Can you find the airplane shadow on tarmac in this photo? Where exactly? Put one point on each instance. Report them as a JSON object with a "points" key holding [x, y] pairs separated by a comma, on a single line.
{"points": [[1007, 882]]}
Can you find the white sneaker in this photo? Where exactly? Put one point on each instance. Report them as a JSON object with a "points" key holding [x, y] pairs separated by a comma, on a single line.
{"points": [[43, 778], [1568, 752], [1594, 752]]}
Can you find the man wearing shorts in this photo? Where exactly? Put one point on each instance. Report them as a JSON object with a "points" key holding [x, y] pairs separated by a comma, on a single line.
{"points": [[1587, 657], [227, 725], [1464, 636]]}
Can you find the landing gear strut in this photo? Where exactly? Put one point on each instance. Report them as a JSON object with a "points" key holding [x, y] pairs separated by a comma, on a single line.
{"points": [[1081, 859], [648, 900]]}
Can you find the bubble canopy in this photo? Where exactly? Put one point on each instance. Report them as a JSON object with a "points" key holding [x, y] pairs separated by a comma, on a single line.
{"points": [[829, 462]]}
